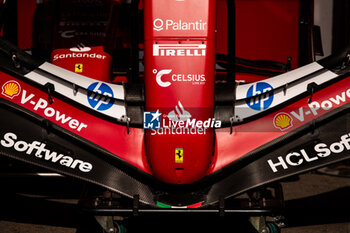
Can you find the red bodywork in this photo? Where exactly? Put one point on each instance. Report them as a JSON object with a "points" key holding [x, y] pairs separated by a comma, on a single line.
{"points": [[179, 81], [88, 61], [156, 154], [131, 147]]}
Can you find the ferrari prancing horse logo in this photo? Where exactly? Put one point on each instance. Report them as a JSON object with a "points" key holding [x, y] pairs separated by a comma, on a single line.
{"points": [[79, 68], [179, 155]]}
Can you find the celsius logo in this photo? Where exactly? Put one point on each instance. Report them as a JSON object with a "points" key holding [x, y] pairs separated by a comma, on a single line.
{"points": [[195, 79], [11, 89], [159, 77], [68, 34], [260, 96], [80, 48], [158, 25], [100, 96]]}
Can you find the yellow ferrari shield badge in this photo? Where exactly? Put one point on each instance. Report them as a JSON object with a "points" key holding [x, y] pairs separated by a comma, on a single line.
{"points": [[179, 155]]}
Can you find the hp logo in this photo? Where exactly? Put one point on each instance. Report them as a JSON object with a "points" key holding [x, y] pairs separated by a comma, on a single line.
{"points": [[100, 96], [260, 96]]}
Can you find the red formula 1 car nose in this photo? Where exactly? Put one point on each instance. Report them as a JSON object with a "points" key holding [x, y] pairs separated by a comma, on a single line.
{"points": [[179, 51]]}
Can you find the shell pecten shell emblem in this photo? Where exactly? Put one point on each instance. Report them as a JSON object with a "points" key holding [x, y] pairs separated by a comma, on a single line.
{"points": [[11, 89], [283, 121]]}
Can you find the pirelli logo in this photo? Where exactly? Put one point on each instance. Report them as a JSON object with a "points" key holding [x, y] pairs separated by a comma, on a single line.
{"points": [[179, 50]]}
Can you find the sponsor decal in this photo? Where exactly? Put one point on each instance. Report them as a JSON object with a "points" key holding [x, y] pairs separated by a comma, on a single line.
{"points": [[179, 50], [179, 121], [41, 105], [180, 25], [78, 68], [320, 150], [78, 55], [151, 120], [80, 48], [260, 96], [314, 108], [68, 34], [179, 114], [73, 33], [325, 105], [283, 121], [160, 75], [39, 150], [179, 155], [195, 79], [100, 96], [11, 89], [80, 51], [158, 25]]}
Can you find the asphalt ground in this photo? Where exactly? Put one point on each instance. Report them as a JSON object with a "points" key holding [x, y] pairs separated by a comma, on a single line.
{"points": [[317, 203]]}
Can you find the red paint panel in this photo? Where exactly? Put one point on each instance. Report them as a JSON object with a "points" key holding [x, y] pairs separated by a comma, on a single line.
{"points": [[265, 29], [91, 62], [108, 135], [180, 19], [25, 12], [249, 136], [179, 83]]}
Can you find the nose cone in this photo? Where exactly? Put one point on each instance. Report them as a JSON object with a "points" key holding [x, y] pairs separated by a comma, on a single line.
{"points": [[179, 159]]}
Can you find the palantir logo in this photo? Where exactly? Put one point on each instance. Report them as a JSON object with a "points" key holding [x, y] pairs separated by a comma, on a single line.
{"points": [[158, 24], [100, 96], [151, 120], [260, 96]]}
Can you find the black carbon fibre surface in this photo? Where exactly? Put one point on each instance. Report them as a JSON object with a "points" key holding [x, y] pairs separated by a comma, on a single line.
{"points": [[28, 130]]}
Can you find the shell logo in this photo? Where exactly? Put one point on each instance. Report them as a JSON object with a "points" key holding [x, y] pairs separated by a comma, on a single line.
{"points": [[283, 121], [11, 89]]}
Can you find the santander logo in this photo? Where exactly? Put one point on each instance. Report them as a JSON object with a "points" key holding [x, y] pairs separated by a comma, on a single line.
{"points": [[180, 114], [80, 51], [80, 48]]}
